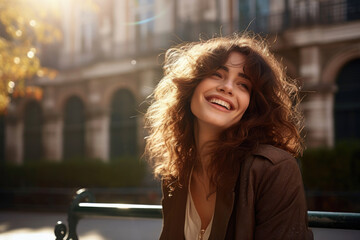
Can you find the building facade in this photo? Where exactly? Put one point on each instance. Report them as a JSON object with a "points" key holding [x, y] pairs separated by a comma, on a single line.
{"points": [[319, 43], [109, 61]]}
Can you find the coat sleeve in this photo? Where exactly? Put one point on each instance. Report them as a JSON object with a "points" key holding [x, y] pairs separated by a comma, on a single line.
{"points": [[280, 205]]}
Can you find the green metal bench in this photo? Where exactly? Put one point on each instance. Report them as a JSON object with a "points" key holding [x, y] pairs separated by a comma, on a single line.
{"points": [[84, 205]]}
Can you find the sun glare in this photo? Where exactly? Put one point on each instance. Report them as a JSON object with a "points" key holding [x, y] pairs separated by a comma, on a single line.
{"points": [[147, 19], [16, 60], [11, 84], [32, 23], [30, 54], [18, 33]]}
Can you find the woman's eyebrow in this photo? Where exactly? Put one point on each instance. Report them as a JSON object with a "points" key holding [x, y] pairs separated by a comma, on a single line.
{"points": [[243, 75], [240, 74]]}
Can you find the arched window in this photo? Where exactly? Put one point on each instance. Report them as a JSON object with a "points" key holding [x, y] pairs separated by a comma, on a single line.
{"points": [[74, 129], [33, 149], [123, 125], [347, 102]]}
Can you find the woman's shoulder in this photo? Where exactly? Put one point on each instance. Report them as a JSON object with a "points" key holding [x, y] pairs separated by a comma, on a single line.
{"points": [[267, 160], [274, 170], [272, 154]]}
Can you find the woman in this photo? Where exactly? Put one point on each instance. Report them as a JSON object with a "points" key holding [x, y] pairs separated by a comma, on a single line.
{"points": [[223, 133]]}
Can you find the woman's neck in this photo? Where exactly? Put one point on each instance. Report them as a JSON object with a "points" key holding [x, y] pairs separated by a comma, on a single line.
{"points": [[204, 135]]}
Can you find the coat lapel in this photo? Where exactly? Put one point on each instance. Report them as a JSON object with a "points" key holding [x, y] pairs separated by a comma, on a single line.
{"points": [[224, 205], [174, 205]]}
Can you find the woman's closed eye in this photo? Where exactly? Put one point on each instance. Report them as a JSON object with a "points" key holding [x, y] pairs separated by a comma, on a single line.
{"points": [[243, 85], [218, 75]]}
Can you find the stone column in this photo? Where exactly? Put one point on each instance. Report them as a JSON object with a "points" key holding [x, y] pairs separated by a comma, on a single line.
{"points": [[310, 67], [97, 123], [315, 120], [317, 105], [97, 134], [53, 126], [53, 137], [14, 142]]}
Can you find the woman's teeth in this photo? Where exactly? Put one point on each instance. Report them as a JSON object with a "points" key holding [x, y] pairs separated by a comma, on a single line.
{"points": [[220, 102]]}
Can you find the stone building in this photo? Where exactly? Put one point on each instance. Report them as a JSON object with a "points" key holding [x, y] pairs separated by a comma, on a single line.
{"points": [[319, 41], [109, 62]]}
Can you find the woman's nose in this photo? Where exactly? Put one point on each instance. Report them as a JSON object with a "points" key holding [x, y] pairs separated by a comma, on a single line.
{"points": [[226, 87]]}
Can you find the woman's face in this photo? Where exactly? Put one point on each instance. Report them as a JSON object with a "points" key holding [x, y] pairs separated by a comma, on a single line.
{"points": [[219, 101]]}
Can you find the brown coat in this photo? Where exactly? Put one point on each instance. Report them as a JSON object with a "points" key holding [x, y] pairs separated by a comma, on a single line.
{"points": [[270, 203]]}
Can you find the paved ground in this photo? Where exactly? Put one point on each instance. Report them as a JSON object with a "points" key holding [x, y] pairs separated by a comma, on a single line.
{"points": [[40, 226]]}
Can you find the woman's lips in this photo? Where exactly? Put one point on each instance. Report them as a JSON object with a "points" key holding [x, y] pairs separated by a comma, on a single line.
{"points": [[220, 102]]}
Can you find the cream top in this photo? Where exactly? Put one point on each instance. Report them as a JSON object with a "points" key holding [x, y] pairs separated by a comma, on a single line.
{"points": [[192, 229]]}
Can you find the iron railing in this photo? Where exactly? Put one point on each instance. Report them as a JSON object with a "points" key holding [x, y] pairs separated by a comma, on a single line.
{"points": [[84, 205], [303, 14]]}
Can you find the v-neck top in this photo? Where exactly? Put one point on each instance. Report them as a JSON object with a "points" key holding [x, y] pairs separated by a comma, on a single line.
{"points": [[192, 228]]}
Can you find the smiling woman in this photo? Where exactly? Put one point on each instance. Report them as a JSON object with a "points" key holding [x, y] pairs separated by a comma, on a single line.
{"points": [[224, 130], [220, 100]]}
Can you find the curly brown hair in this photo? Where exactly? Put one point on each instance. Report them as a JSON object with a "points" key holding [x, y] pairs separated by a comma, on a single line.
{"points": [[272, 116]]}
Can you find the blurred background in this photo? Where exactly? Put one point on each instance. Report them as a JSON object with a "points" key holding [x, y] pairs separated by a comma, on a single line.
{"points": [[75, 76]]}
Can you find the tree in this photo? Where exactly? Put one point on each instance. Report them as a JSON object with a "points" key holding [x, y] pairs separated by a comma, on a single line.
{"points": [[24, 26]]}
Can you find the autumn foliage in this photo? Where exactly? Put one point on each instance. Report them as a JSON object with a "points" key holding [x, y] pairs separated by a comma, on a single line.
{"points": [[24, 26]]}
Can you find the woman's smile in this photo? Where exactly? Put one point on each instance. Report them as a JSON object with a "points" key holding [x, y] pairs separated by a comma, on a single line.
{"points": [[220, 103]]}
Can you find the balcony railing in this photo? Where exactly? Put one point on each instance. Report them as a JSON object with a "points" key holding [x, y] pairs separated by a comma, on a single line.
{"points": [[305, 14]]}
